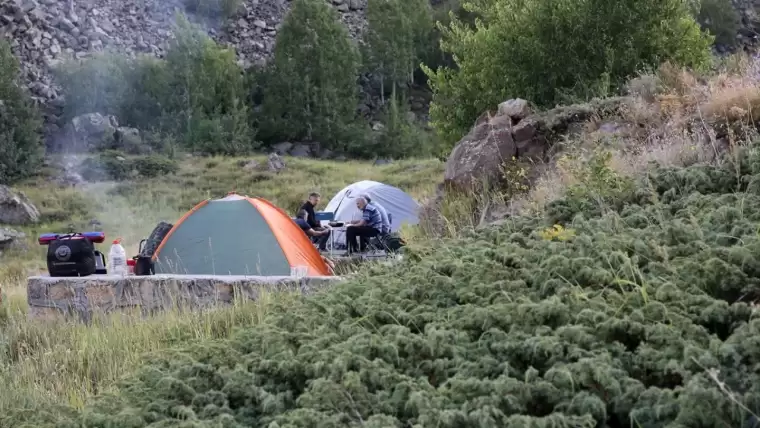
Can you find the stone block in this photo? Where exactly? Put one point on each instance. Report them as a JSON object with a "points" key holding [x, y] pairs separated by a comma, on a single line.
{"points": [[83, 298]]}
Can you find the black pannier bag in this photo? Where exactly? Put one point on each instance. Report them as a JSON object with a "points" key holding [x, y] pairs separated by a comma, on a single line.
{"points": [[71, 255], [393, 242]]}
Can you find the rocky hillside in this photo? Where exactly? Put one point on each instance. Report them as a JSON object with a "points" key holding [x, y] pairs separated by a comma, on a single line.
{"points": [[46, 32]]}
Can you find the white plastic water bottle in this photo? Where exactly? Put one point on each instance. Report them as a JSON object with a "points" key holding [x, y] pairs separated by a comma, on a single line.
{"points": [[117, 259]]}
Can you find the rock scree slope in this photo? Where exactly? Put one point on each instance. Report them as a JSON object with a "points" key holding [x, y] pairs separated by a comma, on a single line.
{"points": [[44, 33]]}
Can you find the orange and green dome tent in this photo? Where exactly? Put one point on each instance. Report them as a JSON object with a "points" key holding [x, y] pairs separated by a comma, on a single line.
{"points": [[237, 235]]}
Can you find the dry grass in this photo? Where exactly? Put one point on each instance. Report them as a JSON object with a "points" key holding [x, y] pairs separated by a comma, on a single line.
{"points": [[675, 118], [43, 365]]}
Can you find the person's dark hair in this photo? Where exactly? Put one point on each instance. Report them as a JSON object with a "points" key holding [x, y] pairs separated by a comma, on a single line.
{"points": [[314, 195], [301, 213]]}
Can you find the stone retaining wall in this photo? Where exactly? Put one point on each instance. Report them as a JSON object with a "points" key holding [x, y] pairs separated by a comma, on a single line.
{"points": [[85, 297]]}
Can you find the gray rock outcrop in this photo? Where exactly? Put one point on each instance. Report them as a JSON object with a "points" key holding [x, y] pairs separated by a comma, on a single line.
{"points": [[10, 239], [16, 208], [513, 133], [44, 33]]}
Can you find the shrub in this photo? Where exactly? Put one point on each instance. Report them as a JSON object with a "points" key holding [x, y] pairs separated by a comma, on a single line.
{"points": [[154, 166], [551, 51], [21, 148], [100, 83]]}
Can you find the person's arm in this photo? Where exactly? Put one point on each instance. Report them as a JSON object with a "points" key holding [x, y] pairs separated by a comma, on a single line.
{"points": [[364, 220], [312, 232]]}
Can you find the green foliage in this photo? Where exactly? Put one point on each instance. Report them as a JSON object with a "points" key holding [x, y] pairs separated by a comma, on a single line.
{"points": [[206, 93], [310, 91], [398, 35], [598, 186], [154, 166], [114, 165], [400, 136], [21, 148], [550, 51], [721, 19], [195, 93]]}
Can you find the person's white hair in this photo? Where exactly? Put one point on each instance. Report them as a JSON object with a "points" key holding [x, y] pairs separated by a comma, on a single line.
{"points": [[361, 198]]}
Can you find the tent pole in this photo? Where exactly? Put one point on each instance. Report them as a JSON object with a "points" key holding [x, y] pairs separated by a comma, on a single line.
{"points": [[341, 201]]}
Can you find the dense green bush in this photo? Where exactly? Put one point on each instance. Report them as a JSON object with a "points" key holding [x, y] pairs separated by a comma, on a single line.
{"points": [[550, 51], [154, 166], [196, 93], [21, 148], [637, 316]]}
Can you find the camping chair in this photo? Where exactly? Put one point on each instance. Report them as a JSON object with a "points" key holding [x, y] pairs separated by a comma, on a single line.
{"points": [[388, 243], [381, 242]]}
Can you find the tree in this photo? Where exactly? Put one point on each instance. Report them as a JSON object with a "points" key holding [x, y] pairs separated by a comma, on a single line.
{"points": [[551, 51], [311, 90], [397, 37], [400, 136], [721, 19], [21, 148], [207, 93]]}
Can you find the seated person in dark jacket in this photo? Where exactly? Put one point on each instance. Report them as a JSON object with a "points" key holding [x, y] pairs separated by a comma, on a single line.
{"points": [[308, 206], [370, 225], [319, 236]]}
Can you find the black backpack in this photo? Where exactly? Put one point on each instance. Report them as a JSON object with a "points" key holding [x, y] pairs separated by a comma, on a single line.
{"points": [[393, 242], [71, 255]]}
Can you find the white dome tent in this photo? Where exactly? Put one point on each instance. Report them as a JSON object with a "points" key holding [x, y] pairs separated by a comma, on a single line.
{"points": [[401, 208]]}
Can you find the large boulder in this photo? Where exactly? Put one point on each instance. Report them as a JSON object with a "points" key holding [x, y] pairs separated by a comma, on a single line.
{"points": [[480, 154], [10, 239], [275, 163], [514, 133], [16, 208], [89, 131]]}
